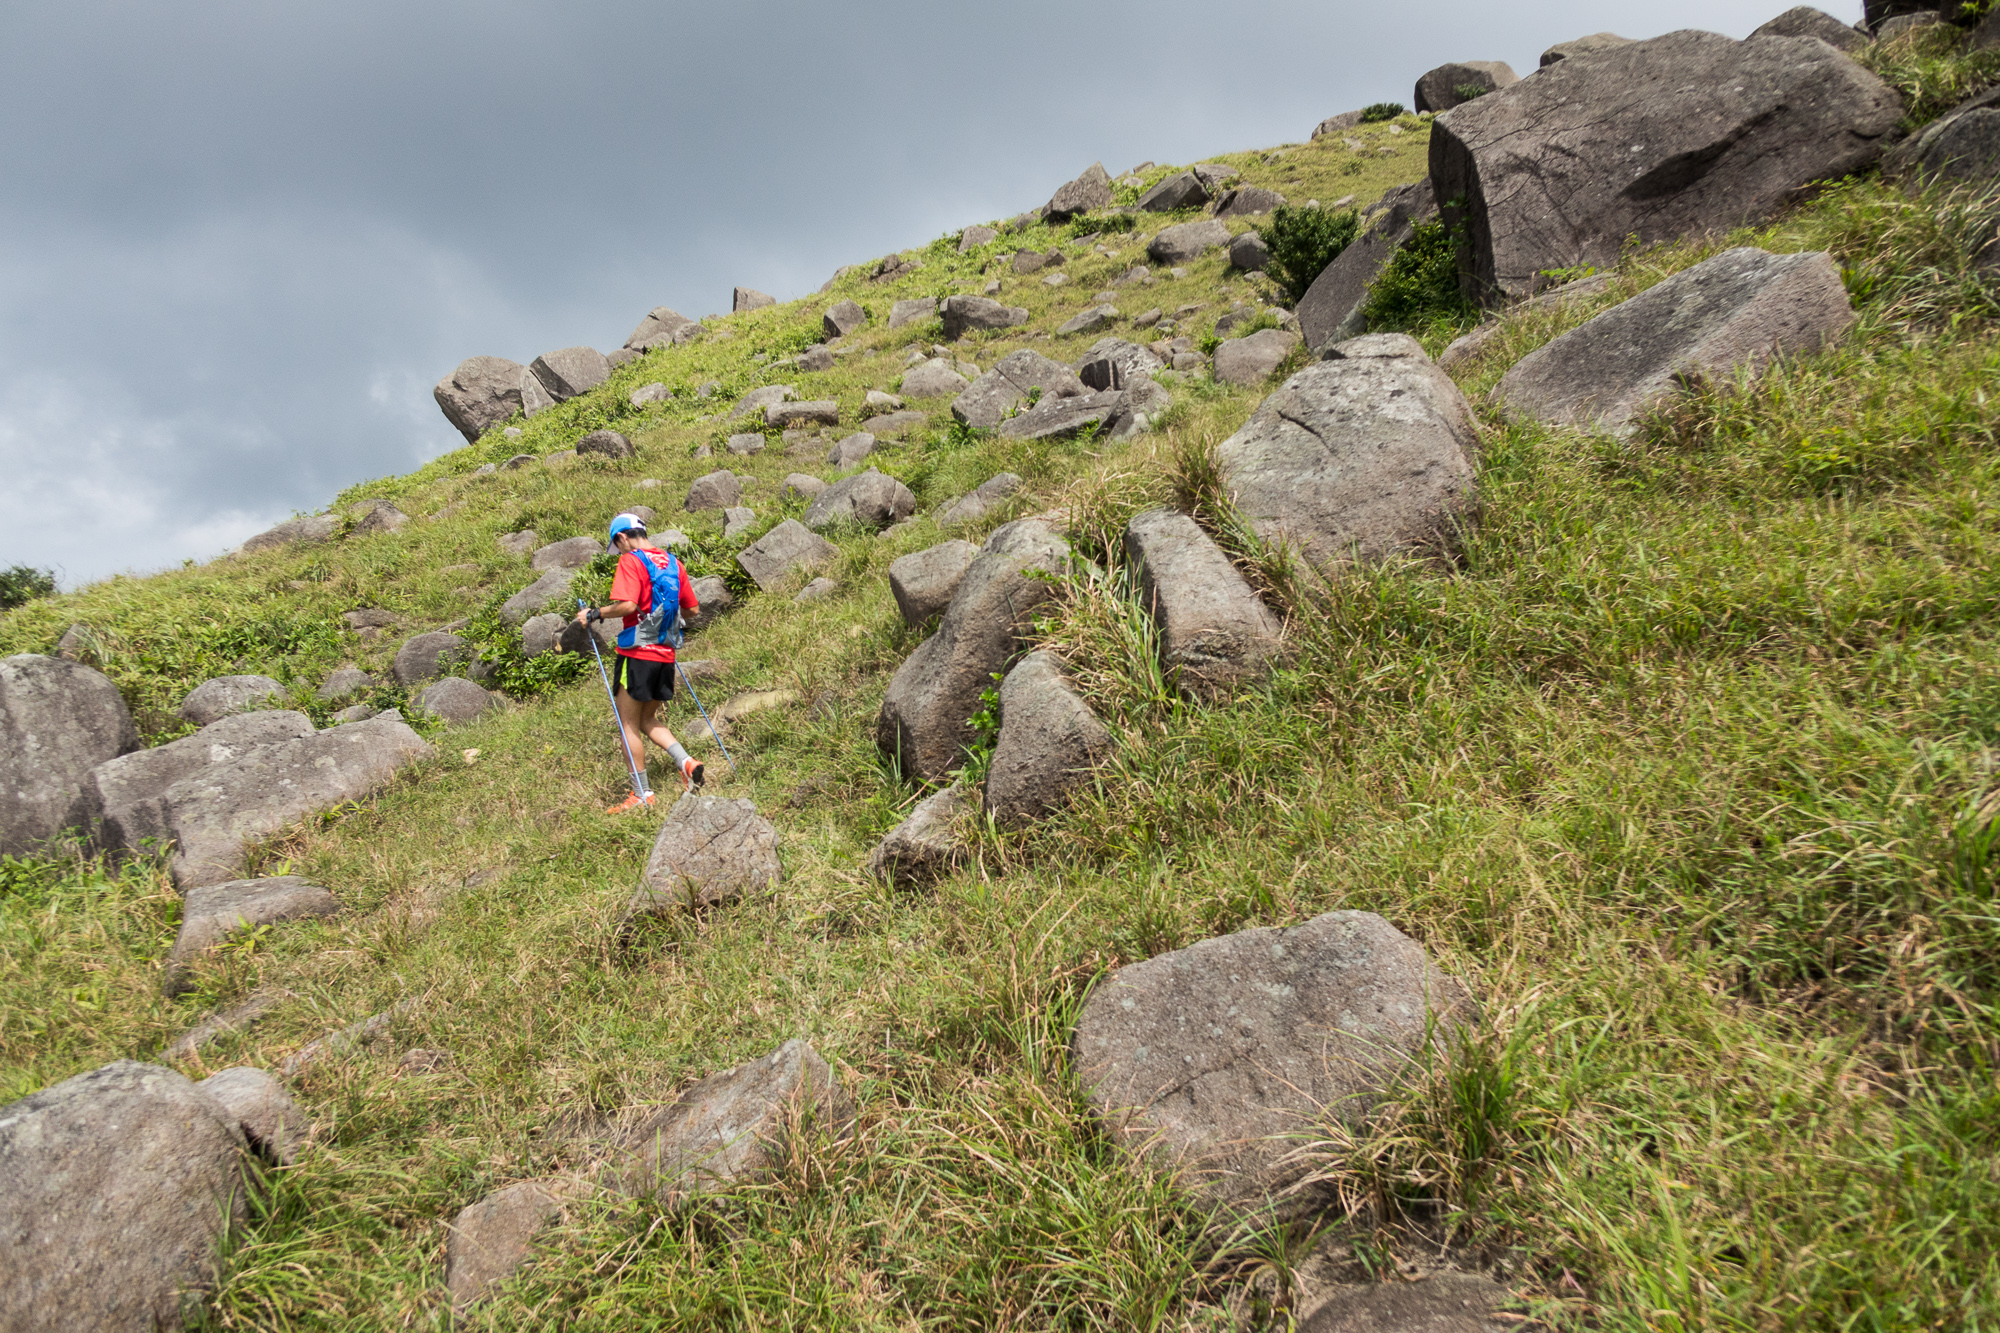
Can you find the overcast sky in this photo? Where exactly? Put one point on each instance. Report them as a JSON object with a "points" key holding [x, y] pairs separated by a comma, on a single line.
{"points": [[240, 241]]}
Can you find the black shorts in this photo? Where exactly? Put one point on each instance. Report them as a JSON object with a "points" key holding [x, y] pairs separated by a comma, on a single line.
{"points": [[643, 680]]}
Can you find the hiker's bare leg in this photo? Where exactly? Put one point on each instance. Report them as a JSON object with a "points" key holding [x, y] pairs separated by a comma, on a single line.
{"points": [[631, 713], [655, 728]]}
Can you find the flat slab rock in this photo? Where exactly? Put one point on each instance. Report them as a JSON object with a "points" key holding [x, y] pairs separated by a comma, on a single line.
{"points": [[1725, 317], [709, 850], [211, 913], [1215, 632], [1362, 457], [981, 501], [1218, 1059]]}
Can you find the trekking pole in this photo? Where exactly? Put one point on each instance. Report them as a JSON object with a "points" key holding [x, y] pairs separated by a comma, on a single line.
{"points": [[704, 716], [639, 787]]}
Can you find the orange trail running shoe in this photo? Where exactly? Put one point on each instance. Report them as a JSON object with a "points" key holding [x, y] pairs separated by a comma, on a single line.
{"points": [[691, 773], [632, 802]]}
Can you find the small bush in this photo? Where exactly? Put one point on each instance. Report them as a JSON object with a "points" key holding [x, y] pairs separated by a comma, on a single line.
{"points": [[1381, 111], [1419, 288], [1469, 91], [1304, 241], [23, 584]]}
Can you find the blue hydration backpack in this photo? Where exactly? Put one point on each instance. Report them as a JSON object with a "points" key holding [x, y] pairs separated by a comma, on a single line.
{"points": [[661, 624]]}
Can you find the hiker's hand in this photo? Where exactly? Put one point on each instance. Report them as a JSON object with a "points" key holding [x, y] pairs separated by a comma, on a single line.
{"points": [[585, 616]]}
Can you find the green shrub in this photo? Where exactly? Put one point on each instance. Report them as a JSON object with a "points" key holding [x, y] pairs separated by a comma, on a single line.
{"points": [[1419, 287], [23, 584], [1468, 91], [1380, 111], [1304, 241]]}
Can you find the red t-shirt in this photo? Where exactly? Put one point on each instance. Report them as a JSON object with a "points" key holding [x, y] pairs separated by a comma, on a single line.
{"points": [[633, 584]]}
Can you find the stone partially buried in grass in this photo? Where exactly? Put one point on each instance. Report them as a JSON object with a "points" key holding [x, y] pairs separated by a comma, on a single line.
{"points": [[453, 699], [930, 843], [873, 499], [709, 850], [790, 546], [212, 913], [1214, 631], [217, 698], [1251, 360], [1050, 742]]}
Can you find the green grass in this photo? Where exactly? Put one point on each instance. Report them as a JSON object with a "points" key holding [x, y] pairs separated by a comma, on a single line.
{"points": [[1687, 765]]}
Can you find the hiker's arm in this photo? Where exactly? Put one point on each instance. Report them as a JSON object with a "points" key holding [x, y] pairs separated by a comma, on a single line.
{"points": [[610, 611]]}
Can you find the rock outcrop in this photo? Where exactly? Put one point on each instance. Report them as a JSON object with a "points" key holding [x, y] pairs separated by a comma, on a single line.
{"points": [[569, 371], [126, 796], [1050, 742], [1089, 191], [427, 656], [1453, 85], [1331, 307], [988, 496], [1251, 360], [483, 392], [1187, 242], [1727, 132], [1805, 21], [978, 314], [453, 699], [58, 721], [662, 328], [986, 402], [1219, 1059]]}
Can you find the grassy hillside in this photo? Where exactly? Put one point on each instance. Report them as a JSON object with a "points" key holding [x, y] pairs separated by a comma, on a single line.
{"points": [[1687, 766]]}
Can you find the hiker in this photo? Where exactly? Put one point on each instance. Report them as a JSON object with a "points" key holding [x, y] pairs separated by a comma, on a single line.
{"points": [[649, 591]]}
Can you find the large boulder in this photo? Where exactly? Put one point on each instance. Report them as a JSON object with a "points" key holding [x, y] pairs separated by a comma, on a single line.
{"points": [[851, 450], [1187, 242], [773, 557], [714, 490], [427, 656], [605, 444], [126, 796], [1053, 418], [749, 298], [815, 412], [118, 1186], [216, 812], [1213, 629], [453, 699], [1962, 144], [924, 713], [569, 553], [914, 310], [58, 721], [1050, 742], [1725, 317], [569, 371], [929, 843], [1113, 363], [923, 582], [371, 516], [220, 696], [978, 314], [872, 498], [1805, 21], [1331, 307], [661, 328], [1681, 135], [1361, 457], [1089, 191], [551, 585], [981, 501], [1599, 41], [483, 392], [1219, 1059], [1251, 360], [1453, 85], [1181, 190], [210, 913], [709, 850], [987, 400], [843, 319], [1250, 253], [312, 529], [759, 399], [732, 1126]]}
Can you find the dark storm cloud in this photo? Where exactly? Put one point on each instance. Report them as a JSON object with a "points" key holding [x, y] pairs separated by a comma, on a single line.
{"points": [[240, 241]]}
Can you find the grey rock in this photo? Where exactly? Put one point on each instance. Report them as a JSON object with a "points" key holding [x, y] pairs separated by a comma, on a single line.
{"points": [[877, 401], [569, 553], [1053, 418], [535, 397], [1341, 123], [801, 485], [891, 267], [1249, 253], [969, 239], [1091, 190], [1026, 262], [1331, 307], [1214, 632], [1212, 174], [1189, 362], [343, 683], [1890, 29], [713, 596], [988, 399], [929, 843], [1463, 349], [871, 498], [1113, 363], [649, 393], [559, 456], [1439, 90], [790, 546], [574, 638], [294, 532], [1137, 408], [1966, 147], [223, 695], [731, 1127], [1188, 241], [569, 371], [1176, 192], [1089, 321], [1357, 458], [1730, 131], [491, 1240], [709, 850], [551, 585], [217, 811], [542, 634], [818, 590], [818, 357], [483, 392], [933, 379], [745, 444], [126, 795], [937, 688], [1138, 274], [1444, 1302], [912, 311], [621, 356], [1725, 317], [211, 913], [843, 319], [1987, 35], [606, 443], [816, 412], [518, 461], [1050, 742], [738, 520], [851, 450], [644, 513], [453, 699], [120, 1183], [79, 643], [749, 298], [987, 497], [715, 490], [1252, 360], [1217, 1060], [759, 399], [427, 656], [923, 582], [519, 543], [977, 314], [1605, 41], [373, 516], [271, 1121], [358, 713], [659, 329], [1247, 201], [895, 425]]}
